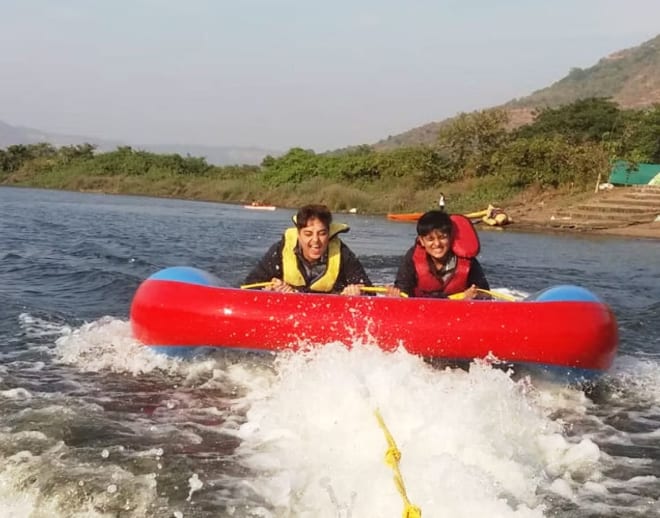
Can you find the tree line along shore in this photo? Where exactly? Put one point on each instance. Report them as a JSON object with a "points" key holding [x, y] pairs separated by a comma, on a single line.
{"points": [[477, 160]]}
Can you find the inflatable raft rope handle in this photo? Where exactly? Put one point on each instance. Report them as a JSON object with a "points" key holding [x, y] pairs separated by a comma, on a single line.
{"points": [[256, 285], [494, 294], [366, 289], [378, 289], [383, 289]]}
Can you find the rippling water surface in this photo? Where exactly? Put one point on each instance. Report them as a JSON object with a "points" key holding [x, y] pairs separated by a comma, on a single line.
{"points": [[94, 425]]}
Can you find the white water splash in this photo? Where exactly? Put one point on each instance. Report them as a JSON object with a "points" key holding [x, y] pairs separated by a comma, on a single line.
{"points": [[473, 444], [640, 376], [195, 485], [107, 343], [36, 327]]}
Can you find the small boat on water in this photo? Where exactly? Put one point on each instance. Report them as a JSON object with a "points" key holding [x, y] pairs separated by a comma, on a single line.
{"points": [[256, 206], [564, 330], [410, 216]]}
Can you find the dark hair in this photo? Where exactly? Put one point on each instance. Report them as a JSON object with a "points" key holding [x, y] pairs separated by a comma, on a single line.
{"points": [[320, 212], [434, 220]]}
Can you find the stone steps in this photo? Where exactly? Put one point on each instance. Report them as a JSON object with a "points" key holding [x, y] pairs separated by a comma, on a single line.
{"points": [[587, 222], [620, 207], [643, 188], [612, 207], [607, 216], [650, 198], [629, 201]]}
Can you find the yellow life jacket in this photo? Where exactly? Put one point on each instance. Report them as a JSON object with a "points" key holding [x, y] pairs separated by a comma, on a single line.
{"points": [[292, 274]]}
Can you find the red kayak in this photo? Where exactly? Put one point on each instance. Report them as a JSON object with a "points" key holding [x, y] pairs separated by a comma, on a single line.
{"points": [[565, 326]]}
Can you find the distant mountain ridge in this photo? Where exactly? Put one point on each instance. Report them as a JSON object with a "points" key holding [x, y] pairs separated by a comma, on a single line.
{"points": [[630, 77], [218, 155]]}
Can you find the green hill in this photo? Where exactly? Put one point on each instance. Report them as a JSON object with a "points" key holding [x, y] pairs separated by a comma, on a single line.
{"points": [[630, 77]]}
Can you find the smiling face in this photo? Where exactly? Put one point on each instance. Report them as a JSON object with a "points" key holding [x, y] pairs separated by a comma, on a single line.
{"points": [[437, 244], [313, 239]]}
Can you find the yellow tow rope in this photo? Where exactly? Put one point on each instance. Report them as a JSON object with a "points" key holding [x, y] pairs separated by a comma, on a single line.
{"points": [[392, 458]]}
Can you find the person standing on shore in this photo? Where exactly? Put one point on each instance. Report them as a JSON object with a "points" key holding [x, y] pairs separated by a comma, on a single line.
{"points": [[441, 202]]}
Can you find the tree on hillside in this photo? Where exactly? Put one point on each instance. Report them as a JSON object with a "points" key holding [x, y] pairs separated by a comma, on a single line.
{"points": [[643, 136], [78, 151], [42, 150], [14, 157], [593, 119], [295, 166], [470, 140], [551, 161]]}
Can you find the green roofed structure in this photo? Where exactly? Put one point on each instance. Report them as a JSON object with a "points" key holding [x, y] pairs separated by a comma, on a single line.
{"points": [[628, 173]]}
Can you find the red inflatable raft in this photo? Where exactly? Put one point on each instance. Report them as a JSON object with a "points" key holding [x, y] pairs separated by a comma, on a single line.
{"points": [[565, 327]]}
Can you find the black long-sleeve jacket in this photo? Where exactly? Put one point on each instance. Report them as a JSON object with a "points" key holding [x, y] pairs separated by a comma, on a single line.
{"points": [[270, 266]]}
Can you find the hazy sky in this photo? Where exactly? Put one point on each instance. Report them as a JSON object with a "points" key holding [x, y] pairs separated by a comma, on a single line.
{"points": [[285, 73]]}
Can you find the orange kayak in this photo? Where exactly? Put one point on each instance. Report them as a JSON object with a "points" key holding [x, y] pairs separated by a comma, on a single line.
{"points": [[410, 216]]}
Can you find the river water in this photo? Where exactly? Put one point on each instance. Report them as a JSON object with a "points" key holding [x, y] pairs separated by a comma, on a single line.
{"points": [[94, 425]]}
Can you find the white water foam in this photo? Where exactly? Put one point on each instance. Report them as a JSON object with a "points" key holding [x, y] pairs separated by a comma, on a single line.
{"points": [[107, 343], [639, 375], [473, 443], [36, 327], [81, 490]]}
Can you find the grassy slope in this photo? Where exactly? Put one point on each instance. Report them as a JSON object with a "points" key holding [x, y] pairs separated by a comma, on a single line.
{"points": [[372, 198]]}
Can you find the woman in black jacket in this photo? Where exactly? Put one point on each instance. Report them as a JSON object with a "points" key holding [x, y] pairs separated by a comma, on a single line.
{"points": [[310, 257]]}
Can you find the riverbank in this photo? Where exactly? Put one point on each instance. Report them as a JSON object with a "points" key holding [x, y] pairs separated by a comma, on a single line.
{"points": [[623, 211], [636, 231], [530, 211]]}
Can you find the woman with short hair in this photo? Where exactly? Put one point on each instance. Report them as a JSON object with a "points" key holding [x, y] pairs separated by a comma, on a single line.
{"points": [[310, 257]]}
